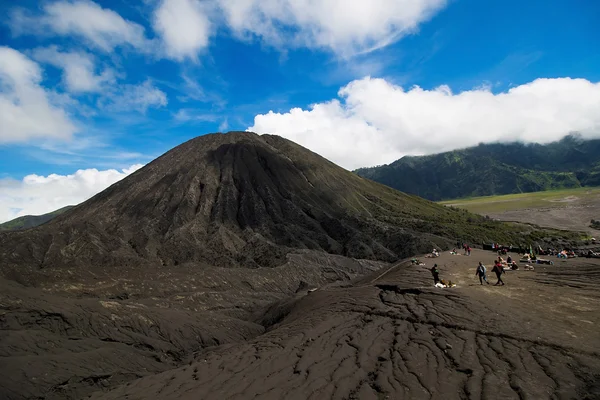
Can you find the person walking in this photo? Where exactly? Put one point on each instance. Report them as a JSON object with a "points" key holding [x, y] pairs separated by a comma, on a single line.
{"points": [[498, 270], [481, 272], [436, 274]]}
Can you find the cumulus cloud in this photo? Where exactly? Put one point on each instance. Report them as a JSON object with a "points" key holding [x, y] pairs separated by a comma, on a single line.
{"points": [[375, 122], [100, 27], [79, 70], [183, 26], [130, 97], [342, 26], [35, 194], [26, 109]]}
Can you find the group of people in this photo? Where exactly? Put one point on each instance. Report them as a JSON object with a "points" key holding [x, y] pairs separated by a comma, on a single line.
{"points": [[498, 269], [566, 254], [434, 253], [481, 271], [466, 248], [558, 253]]}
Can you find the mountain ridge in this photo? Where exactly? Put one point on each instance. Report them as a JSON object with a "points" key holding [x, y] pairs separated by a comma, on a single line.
{"points": [[494, 169], [31, 221]]}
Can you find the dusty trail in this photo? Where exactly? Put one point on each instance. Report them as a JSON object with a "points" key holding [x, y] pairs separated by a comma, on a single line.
{"points": [[391, 339]]}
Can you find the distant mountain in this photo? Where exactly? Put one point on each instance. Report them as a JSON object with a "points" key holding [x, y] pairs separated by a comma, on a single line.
{"points": [[494, 169], [31, 221]]}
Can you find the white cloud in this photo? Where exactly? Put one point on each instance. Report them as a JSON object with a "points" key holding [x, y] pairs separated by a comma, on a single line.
{"points": [[135, 97], [183, 26], [26, 111], [376, 122], [344, 26], [35, 194], [101, 27], [79, 69]]}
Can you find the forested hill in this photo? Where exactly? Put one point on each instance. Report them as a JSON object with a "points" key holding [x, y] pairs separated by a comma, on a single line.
{"points": [[30, 221], [494, 169]]}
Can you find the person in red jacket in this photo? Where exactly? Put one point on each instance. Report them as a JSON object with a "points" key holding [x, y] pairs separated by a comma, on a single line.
{"points": [[498, 270]]}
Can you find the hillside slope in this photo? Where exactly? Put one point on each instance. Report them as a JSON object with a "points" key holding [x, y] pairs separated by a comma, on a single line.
{"points": [[31, 221], [494, 169]]}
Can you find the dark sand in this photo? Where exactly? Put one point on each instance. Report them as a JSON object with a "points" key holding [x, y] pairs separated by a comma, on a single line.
{"points": [[574, 214], [392, 335]]}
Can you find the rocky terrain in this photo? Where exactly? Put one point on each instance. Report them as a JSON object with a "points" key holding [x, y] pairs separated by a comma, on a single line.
{"points": [[195, 277], [392, 335]]}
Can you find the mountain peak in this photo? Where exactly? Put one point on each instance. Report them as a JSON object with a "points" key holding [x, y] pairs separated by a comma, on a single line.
{"points": [[238, 199]]}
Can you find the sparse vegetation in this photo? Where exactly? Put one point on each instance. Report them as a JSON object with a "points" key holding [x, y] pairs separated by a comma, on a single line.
{"points": [[510, 202], [565, 209]]}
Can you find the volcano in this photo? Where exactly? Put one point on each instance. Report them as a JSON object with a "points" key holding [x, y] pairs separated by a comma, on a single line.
{"points": [[233, 246], [237, 200]]}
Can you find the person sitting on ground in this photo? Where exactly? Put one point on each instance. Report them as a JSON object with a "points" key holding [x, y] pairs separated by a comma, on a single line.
{"points": [[481, 273], [513, 265], [509, 260]]}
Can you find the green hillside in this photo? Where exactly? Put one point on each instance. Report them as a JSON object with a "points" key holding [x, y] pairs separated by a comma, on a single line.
{"points": [[30, 221], [494, 169]]}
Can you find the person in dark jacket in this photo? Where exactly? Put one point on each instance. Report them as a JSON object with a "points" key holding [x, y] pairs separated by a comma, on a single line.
{"points": [[498, 270], [436, 274], [481, 272]]}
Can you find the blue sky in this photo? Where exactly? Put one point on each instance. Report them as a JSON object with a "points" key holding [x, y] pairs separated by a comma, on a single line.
{"points": [[146, 76]]}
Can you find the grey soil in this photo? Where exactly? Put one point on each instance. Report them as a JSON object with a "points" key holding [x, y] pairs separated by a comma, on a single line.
{"points": [[395, 336], [575, 215]]}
